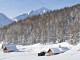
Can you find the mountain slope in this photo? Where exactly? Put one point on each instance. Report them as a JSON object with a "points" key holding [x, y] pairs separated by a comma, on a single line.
{"points": [[4, 20], [31, 13], [52, 27]]}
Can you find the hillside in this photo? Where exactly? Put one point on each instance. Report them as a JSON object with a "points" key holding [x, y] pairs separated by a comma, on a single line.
{"points": [[51, 27]]}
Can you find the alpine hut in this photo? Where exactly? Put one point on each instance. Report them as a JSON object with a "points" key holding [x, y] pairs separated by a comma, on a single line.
{"points": [[9, 48], [54, 51]]}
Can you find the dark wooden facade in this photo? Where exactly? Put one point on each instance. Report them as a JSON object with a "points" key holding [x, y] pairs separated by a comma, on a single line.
{"points": [[41, 54]]}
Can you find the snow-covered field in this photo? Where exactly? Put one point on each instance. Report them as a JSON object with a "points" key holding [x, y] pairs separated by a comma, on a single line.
{"points": [[30, 52]]}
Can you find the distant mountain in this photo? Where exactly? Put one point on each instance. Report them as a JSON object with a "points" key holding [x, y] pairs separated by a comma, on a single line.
{"points": [[4, 20], [31, 13]]}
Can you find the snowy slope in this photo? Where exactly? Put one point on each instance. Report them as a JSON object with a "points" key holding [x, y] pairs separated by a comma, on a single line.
{"points": [[77, 47], [31, 13], [40, 47], [4, 20], [20, 17], [68, 55]]}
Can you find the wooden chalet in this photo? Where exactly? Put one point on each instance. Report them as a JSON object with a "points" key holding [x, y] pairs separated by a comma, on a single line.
{"points": [[54, 51], [41, 54], [9, 48]]}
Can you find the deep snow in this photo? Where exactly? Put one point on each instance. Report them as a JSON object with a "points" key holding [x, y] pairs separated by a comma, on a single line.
{"points": [[30, 53]]}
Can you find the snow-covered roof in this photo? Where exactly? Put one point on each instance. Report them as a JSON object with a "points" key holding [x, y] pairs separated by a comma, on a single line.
{"points": [[56, 50], [10, 46], [63, 49]]}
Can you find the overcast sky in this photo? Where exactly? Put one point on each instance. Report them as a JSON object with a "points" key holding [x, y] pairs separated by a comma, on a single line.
{"points": [[13, 8]]}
